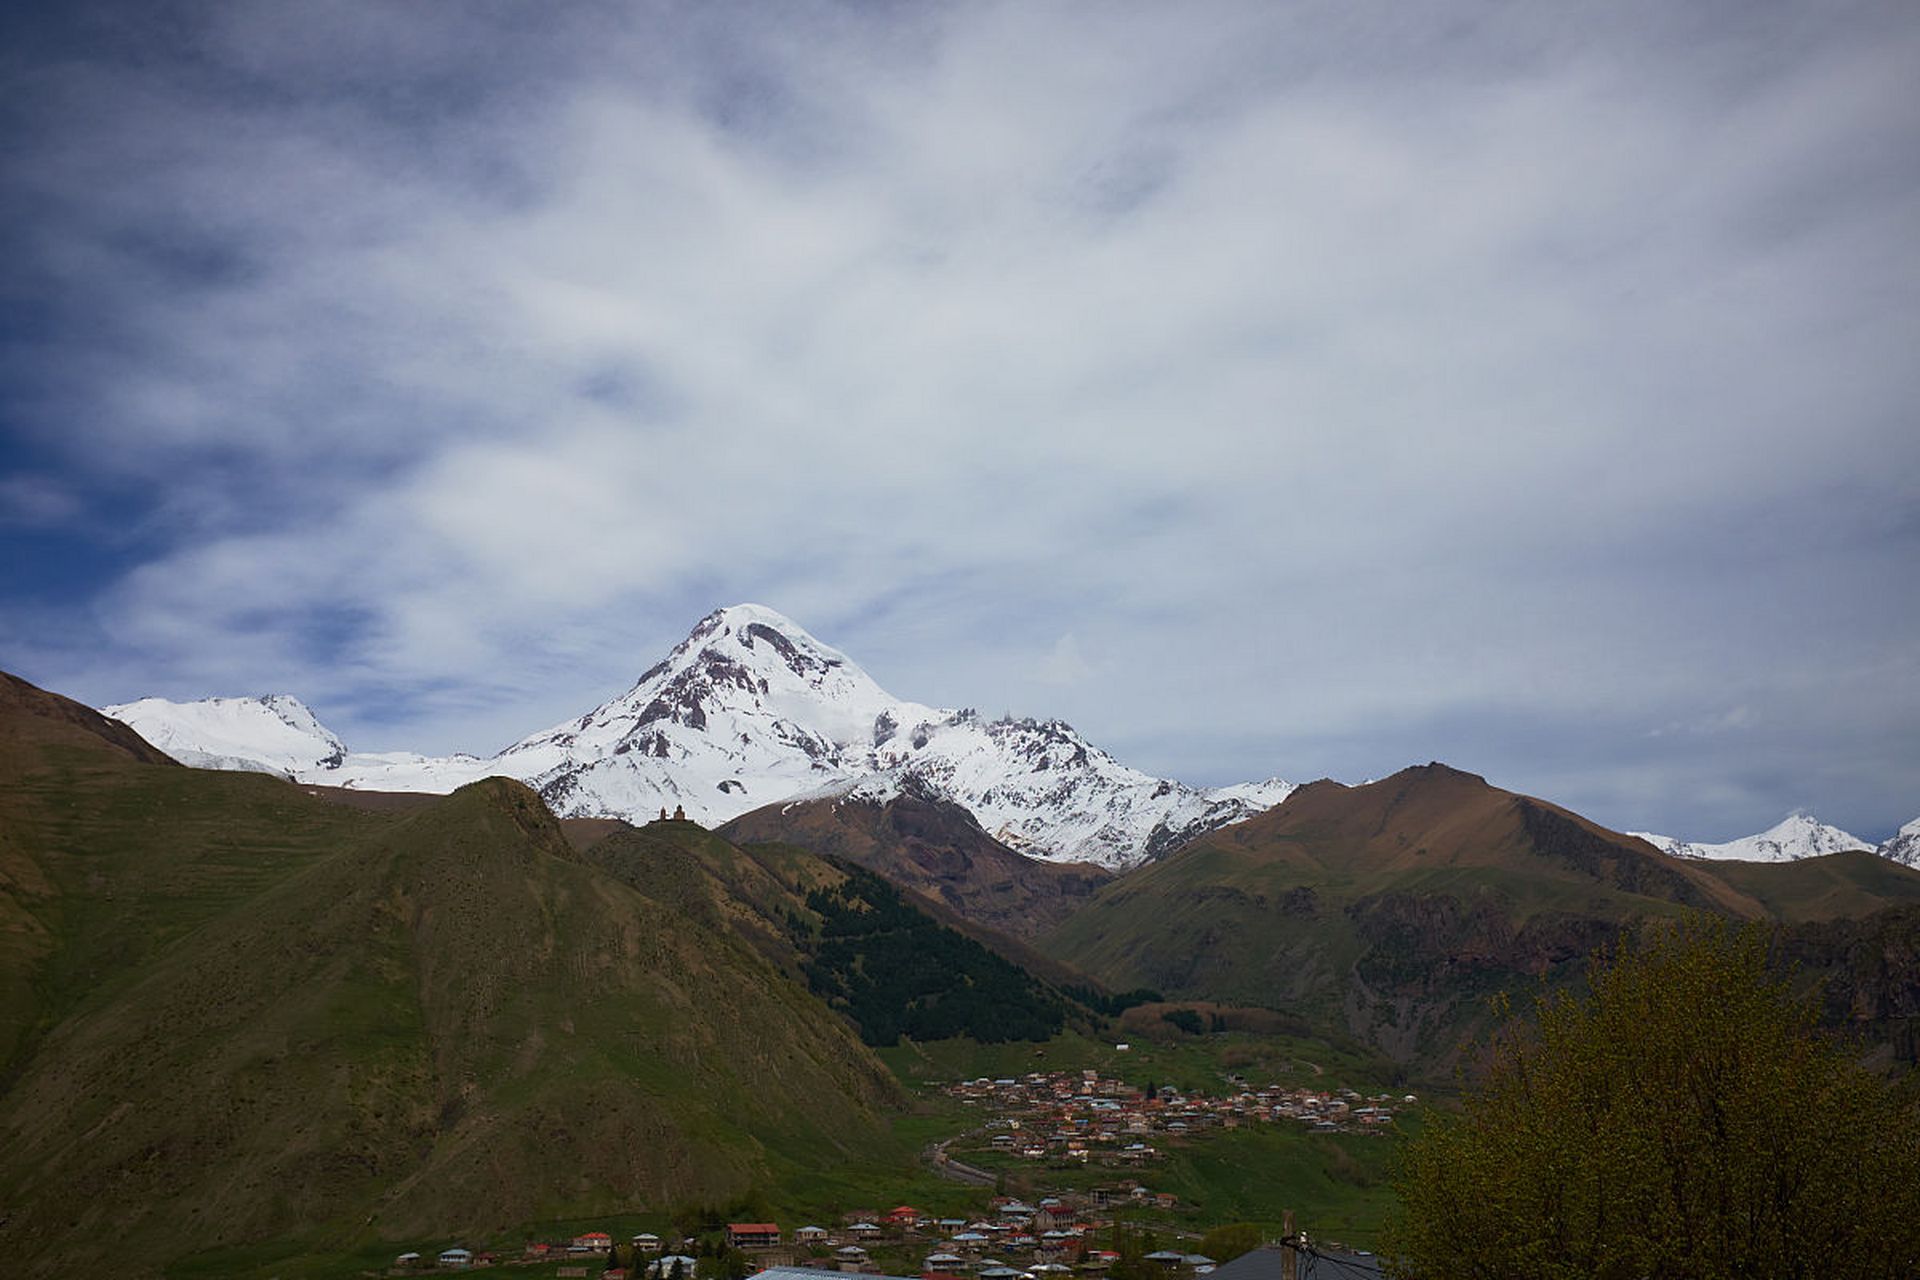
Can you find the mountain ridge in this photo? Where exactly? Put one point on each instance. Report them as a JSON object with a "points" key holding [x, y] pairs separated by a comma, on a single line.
{"points": [[232, 1011], [1397, 907], [918, 839], [749, 710], [1798, 835]]}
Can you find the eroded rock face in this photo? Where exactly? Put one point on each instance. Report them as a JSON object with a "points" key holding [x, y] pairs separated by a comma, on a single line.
{"points": [[1865, 974]]}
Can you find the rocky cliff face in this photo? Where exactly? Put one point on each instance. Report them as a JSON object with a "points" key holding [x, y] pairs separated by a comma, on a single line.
{"points": [[1866, 975]]}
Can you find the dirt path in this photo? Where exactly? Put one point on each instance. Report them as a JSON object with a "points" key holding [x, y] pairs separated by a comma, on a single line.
{"points": [[947, 1167]]}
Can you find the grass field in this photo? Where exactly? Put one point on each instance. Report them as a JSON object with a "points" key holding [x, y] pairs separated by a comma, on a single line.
{"points": [[1335, 1184]]}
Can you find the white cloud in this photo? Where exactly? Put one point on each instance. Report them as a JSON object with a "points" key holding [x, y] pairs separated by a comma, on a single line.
{"points": [[1405, 378]]}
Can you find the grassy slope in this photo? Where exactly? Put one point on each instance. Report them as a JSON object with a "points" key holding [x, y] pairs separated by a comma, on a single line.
{"points": [[109, 853], [1837, 886], [260, 1034], [1395, 909], [238, 1013]]}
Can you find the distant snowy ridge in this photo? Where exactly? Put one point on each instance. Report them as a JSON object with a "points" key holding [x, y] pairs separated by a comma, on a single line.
{"points": [[749, 709], [1904, 846], [274, 734], [1798, 835]]}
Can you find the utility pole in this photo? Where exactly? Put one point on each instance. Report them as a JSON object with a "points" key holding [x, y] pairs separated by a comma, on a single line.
{"points": [[1289, 1261]]}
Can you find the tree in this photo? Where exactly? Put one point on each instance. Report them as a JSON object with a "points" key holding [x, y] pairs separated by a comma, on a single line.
{"points": [[1133, 1248], [1684, 1118]]}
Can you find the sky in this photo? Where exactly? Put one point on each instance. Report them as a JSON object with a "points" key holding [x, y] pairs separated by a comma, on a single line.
{"points": [[1271, 389]]}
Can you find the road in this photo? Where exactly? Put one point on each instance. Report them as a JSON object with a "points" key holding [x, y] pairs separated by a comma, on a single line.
{"points": [[947, 1167]]}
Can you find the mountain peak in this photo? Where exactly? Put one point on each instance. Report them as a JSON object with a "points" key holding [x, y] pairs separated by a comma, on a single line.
{"points": [[746, 613], [1798, 835], [273, 733], [1436, 771], [750, 709]]}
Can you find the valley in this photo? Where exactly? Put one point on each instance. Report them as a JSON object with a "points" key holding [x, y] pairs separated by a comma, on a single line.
{"points": [[261, 1026], [1208, 1172]]}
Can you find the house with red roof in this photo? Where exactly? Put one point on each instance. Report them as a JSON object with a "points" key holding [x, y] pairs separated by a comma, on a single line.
{"points": [[753, 1235]]}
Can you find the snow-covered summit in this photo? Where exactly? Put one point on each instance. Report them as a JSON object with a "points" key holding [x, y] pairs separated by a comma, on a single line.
{"points": [[1904, 845], [1798, 835], [750, 709], [273, 734]]}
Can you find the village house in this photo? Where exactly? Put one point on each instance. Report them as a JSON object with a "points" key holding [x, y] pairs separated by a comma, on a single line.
{"points": [[753, 1235], [456, 1258], [591, 1242], [807, 1236]]}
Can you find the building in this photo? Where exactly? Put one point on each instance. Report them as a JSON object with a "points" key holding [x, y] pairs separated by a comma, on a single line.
{"points": [[753, 1235], [1268, 1263]]}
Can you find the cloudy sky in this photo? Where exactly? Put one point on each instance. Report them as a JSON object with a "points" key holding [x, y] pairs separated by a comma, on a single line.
{"points": [[1284, 388]]}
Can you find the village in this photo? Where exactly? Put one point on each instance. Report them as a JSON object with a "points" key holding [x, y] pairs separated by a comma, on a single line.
{"points": [[1058, 1120], [1064, 1118], [1056, 1236]]}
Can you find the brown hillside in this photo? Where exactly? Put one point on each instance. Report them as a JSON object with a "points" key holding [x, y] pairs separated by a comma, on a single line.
{"points": [[32, 719], [1433, 816], [1398, 908], [934, 847]]}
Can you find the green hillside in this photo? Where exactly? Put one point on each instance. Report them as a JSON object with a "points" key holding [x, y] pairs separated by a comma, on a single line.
{"points": [[1395, 911], [870, 949], [237, 1013]]}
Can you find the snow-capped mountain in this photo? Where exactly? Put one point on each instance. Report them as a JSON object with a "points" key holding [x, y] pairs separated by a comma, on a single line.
{"points": [[1904, 846], [280, 734], [749, 709], [274, 734], [1798, 835]]}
